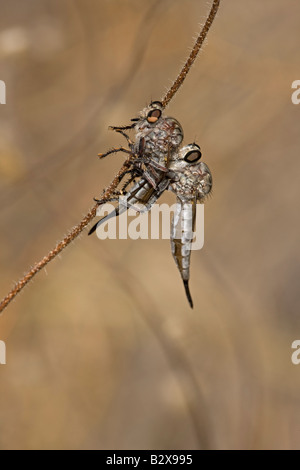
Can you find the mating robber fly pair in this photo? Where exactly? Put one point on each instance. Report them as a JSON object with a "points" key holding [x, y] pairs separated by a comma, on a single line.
{"points": [[157, 164]]}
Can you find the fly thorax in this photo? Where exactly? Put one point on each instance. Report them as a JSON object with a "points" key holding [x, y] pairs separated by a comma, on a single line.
{"points": [[158, 141], [191, 181], [205, 180]]}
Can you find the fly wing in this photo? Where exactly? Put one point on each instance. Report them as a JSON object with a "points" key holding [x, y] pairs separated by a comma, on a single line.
{"points": [[182, 229], [140, 197]]}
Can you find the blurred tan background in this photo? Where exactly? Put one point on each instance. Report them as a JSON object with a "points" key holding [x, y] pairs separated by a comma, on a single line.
{"points": [[103, 351]]}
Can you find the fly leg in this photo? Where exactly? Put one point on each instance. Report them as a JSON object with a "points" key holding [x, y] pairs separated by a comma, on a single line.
{"points": [[111, 199], [116, 150], [121, 128], [120, 192], [120, 131], [134, 174]]}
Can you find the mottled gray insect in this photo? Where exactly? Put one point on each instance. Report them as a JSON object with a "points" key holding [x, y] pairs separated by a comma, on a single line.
{"points": [[191, 182], [162, 165], [157, 140]]}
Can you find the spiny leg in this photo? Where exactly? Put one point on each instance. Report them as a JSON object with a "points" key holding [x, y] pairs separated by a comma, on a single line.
{"points": [[134, 174], [115, 150], [120, 131], [111, 199], [122, 128], [120, 192], [149, 177]]}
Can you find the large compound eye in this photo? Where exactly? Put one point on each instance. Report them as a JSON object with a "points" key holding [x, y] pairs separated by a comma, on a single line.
{"points": [[193, 156], [153, 115]]}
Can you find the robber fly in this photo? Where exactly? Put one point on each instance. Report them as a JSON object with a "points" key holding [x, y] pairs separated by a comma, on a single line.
{"points": [[156, 144], [157, 139], [189, 180]]}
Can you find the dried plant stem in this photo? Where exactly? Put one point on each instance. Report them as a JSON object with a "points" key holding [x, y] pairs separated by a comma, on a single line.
{"points": [[193, 55], [66, 241], [75, 232]]}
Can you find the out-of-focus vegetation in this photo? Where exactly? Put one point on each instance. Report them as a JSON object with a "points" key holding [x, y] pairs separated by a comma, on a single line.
{"points": [[102, 350]]}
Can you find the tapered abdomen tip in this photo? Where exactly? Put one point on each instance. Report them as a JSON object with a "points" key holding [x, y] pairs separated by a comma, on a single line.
{"points": [[93, 229], [188, 293]]}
